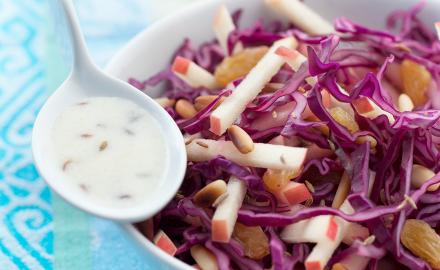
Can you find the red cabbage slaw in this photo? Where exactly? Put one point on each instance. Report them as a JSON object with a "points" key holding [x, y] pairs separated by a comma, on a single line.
{"points": [[357, 69]]}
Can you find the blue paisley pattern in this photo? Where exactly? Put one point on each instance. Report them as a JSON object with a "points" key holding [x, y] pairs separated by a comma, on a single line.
{"points": [[26, 235]]}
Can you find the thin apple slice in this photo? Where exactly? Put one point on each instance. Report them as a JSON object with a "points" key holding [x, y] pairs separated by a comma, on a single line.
{"points": [[295, 59], [302, 16], [294, 193], [204, 258], [327, 232], [352, 230], [367, 108], [292, 57], [223, 26], [225, 216], [269, 156], [162, 241], [314, 230], [193, 74], [231, 108], [324, 249], [320, 255]]}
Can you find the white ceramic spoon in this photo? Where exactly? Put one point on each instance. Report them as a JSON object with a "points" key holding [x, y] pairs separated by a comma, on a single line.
{"points": [[85, 81]]}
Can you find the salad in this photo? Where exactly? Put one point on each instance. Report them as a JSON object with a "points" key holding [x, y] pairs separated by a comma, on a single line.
{"points": [[310, 145]]}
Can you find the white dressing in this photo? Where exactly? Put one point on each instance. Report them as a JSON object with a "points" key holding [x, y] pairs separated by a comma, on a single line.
{"points": [[111, 150]]}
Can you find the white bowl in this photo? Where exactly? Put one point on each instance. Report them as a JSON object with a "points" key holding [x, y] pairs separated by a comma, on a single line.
{"points": [[151, 50]]}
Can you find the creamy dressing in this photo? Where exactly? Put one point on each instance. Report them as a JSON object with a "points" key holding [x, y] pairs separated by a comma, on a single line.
{"points": [[111, 150]]}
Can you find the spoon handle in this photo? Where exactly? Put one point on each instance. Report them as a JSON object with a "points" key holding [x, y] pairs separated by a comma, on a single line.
{"points": [[81, 58]]}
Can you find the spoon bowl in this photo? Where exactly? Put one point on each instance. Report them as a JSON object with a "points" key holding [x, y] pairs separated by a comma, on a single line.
{"points": [[87, 81]]}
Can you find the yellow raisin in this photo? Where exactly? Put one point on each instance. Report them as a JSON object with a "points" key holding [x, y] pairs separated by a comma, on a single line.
{"points": [[344, 118], [422, 241], [275, 180], [365, 138], [415, 81], [238, 65], [338, 266], [323, 129], [255, 242]]}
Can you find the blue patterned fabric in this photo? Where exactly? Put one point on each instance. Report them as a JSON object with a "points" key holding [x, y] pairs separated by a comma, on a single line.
{"points": [[39, 230], [26, 238]]}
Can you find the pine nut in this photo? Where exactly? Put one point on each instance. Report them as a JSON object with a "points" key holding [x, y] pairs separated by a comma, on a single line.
{"points": [[185, 109], [367, 138], [210, 193], [420, 175], [202, 101], [165, 102], [241, 139], [405, 103]]}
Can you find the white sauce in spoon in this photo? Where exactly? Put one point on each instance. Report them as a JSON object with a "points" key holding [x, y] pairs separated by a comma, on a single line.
{"points": [[110, 149]]}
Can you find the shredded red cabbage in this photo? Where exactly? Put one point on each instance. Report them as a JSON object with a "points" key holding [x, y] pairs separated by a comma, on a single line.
{"points": [[363, 61]]}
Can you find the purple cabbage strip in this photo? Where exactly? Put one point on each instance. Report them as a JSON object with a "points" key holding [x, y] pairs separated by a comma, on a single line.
{"points": [[223, 260], [215, 168], [358, 248], [196, 124], [240, 260], [277, 251], [323, 191], [324, 165], [360, 178], [272, 219], [187, 207], [345, 25]]}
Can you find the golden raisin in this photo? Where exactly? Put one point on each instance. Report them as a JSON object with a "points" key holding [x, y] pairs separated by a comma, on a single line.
{"points": [[344, 118], [275, 180], [238, 65], [253, 239], [415, 81], [338, 266], [422, 241], [323, 129], [365, 138]]}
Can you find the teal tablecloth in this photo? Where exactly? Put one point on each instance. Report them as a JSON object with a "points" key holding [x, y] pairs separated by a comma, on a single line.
{"points": [[37, 229]]}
